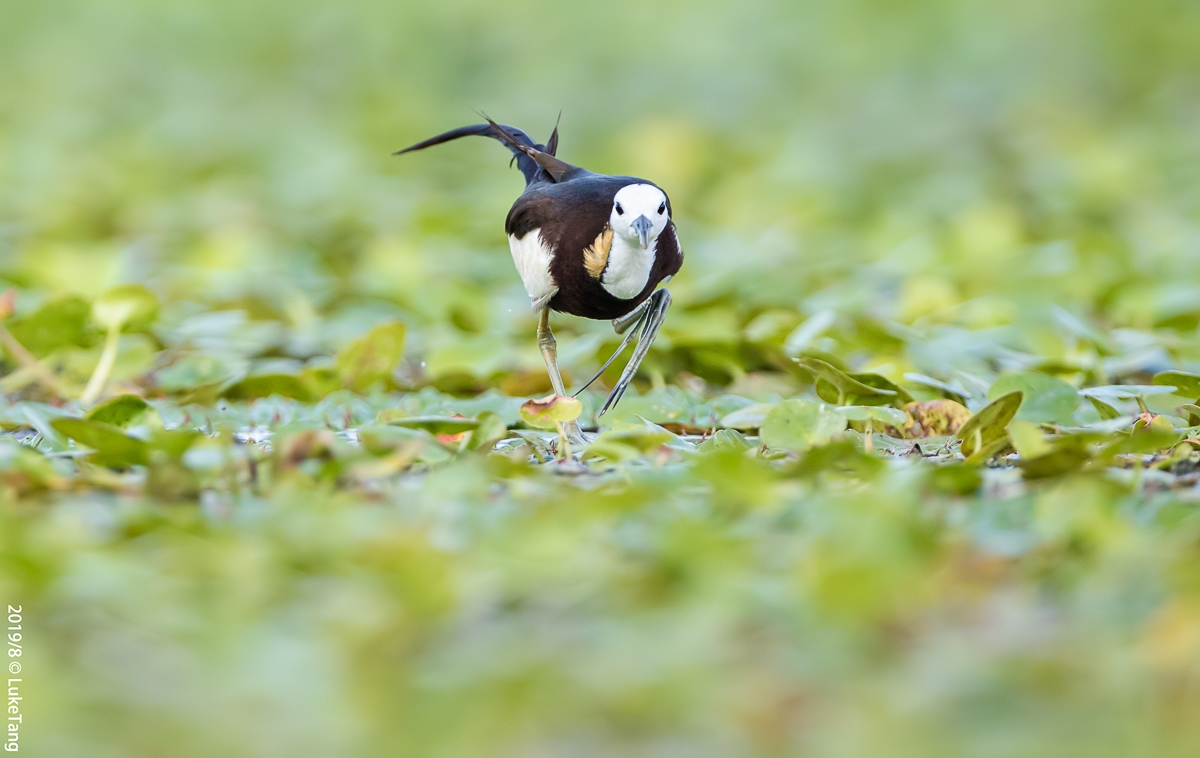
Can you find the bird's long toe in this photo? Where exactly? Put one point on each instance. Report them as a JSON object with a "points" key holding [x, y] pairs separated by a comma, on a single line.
{"points": [[652, 320]]}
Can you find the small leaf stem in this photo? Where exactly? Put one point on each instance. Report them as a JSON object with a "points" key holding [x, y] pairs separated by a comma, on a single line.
{"points": [[108, 359]]}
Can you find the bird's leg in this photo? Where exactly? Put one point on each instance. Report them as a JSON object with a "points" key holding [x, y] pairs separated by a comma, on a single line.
{"points": [[549, 348], [648, 328]]}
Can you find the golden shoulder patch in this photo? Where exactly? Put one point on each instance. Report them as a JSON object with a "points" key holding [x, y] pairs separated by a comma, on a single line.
{"points": [[595, 255]]}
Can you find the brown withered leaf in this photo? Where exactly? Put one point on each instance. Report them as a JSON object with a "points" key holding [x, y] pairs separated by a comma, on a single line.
{"points": [[934, 418]]}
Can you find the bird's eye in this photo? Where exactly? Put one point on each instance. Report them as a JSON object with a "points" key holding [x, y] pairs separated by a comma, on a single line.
{"points": [[662, 208], [620, 210]]}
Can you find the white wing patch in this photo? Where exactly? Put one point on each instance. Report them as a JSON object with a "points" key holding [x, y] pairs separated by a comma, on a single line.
{"points": [[628, 268], [532, 258]]}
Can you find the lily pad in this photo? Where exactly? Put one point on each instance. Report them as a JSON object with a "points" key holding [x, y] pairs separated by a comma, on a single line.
{"points": [[725, 440], [1193, 413], [129, 307], [1059, 459], [1144, 438], [370, 359], [1047, 399], [112, 445], [802, 336], [881, 382], [837, 386], [880, 416], [1105, 410], [266, 385], [490, 430], [956, 478], [434, 424], [1126, 391], [1185, 384], [800, 425], [989, 426], [26, 470], [121, 411], [550, 411], [59, 323], [750, 417], [173, 442], [1028, 439], [623, 442], [385, 439], [955, 392], [198, 370]]}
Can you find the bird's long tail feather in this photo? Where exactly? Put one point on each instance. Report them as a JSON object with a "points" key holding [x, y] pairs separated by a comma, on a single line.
{"points": [[534, 160]]}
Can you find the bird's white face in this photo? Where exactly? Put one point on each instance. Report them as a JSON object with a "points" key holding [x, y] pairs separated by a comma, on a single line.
{"points": [[639, 214]]}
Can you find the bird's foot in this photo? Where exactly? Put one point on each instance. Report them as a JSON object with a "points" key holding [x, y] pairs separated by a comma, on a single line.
{"points": [[570, 443], [575, 435], [651, 320]]}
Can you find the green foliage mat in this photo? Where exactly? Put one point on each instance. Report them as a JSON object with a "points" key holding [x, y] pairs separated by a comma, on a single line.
{"points": [[912, 470]]}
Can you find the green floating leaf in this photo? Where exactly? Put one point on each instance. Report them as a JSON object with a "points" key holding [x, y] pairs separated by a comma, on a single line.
{"points": [[550, 411], [1185, 384], [434, 424], [1105, 410], [321, 380], [725, 440], [666, 405], [845, 388], [881, 415], [880, 382], [113, 446], [750, 417], [1193, 414], [26, 470], [1125, 391], [954, 392], [121, 411], [384, 439], [841, 455], [958, 478], [57, 324], [197, 370], [623, 442], [1058, 460], [491, 429], [1144, 439], [129, 307], [265, 385], [369, 360], [1028, 439], [989, 426], [802, 336], [1046, 399], [800, 425], [173, 442]]}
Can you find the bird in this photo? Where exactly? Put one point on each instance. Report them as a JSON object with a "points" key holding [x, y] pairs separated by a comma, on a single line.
{"points": [[591, 245]]}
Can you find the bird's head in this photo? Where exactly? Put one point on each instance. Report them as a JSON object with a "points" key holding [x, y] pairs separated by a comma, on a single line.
{"points": [[640, 213]]}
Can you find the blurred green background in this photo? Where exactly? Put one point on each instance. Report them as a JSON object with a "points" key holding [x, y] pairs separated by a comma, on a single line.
{"points": [[955, 188], [946, 162]]}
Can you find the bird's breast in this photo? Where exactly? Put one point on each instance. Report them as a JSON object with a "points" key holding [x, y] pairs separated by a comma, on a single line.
{"points": [[628, 268]]}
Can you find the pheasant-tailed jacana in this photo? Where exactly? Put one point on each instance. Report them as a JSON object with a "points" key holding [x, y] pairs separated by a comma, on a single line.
{"points": [[586, 244]]}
